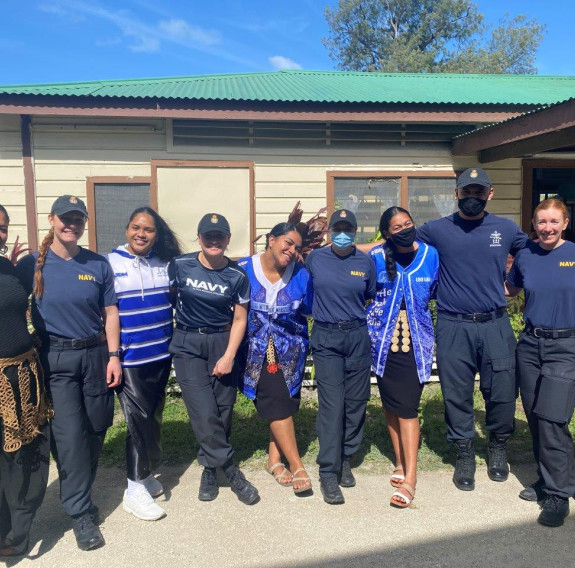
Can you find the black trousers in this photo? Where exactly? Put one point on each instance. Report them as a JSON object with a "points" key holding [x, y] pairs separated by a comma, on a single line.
{"points": [[142, 395], [83, 411], [546, 370], [209, 399], [464, 348], [342, 361]]}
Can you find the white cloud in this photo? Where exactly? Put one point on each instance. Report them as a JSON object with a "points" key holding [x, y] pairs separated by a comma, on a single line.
{"points": [[143, 37], [280, 62], [182, 30]]}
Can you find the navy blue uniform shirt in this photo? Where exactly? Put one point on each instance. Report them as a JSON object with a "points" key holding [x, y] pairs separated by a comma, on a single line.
{"points": [[75, 293], [548, 278], [472, 260], [206, 297], [341, 285]]}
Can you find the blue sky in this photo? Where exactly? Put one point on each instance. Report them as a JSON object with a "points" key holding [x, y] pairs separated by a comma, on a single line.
{"points": [[76, 40]]}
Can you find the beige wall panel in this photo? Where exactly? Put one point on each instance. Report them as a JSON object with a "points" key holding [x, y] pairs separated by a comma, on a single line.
{"points": [[185, 195], [127, 156], [281, 205], [52, 189], [13, 195], [292, 190], [11, 159], [68, 172], [17, 215], [10, 140], [12, 175], [506, 191], [505, 206]]}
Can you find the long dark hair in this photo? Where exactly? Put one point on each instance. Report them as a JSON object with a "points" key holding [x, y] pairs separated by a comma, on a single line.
{"points": [[167, 245], [279, 230], [389, 248], [3, 210]]}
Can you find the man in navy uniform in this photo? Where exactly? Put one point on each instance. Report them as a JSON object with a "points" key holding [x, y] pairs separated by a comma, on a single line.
{"points": [[473, 329]]}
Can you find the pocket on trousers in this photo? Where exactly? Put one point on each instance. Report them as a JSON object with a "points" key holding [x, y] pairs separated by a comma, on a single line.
{"points": [[501, 381], [358, 363], [95, 371], [556, 397]]}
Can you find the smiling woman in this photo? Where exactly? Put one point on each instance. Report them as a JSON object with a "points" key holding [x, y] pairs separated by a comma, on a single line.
{"points": [[141, 284], [212, 295]]}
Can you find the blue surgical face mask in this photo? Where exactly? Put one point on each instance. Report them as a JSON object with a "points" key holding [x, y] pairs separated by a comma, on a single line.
{"points": [[342, 240]]}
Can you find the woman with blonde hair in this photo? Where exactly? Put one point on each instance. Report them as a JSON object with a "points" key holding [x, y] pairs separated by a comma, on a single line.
{"points": [[75, 314]]}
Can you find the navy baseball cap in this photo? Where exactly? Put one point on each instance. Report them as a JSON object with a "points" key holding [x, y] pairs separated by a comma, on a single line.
{"points": [[473, 176], [66, 204], [343, 215], [214, 222]]}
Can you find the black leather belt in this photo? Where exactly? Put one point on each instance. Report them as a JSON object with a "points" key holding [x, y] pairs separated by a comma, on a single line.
{"points": [[480, 317], [203, 330], [341, 325], [541, 332], [83, 343]]}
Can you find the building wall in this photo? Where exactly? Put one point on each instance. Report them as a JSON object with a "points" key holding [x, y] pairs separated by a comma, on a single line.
{"points": [[68, 151], [12, 194]]}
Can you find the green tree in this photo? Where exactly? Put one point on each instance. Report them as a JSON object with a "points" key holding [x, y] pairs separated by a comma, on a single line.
{"points": [[442, 36]]}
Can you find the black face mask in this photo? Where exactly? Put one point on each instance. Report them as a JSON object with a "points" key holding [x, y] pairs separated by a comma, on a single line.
{"points": [[471, 206], [404, 238]]}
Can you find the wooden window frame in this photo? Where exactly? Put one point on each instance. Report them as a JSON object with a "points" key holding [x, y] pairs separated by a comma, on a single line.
{"points": [[91, 182], [402, 174], [155, 164], [527, 168]]}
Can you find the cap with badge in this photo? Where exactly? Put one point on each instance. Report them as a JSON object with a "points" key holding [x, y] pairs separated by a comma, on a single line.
{"points": [[343, 215], [67, 203], [214, 222], [473, 176]]}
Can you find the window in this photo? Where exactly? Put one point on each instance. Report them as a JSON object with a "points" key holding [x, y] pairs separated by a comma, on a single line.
{"points": [[110, 203], [426, 195]]}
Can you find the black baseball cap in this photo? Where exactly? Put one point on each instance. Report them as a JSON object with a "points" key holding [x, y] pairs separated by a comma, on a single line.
{"points": [[214, 222], [473, 176], [66, 203], [343, 215]]}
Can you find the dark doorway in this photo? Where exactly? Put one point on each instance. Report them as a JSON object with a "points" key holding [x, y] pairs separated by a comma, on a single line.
{"points": [[548, 179]]}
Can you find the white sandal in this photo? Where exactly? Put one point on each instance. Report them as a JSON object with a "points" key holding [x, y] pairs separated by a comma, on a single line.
{"points": [[397, 479], [406, 500]]}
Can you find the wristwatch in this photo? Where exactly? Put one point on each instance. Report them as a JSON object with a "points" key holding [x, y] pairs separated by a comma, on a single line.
{"points": [[113, 353]]}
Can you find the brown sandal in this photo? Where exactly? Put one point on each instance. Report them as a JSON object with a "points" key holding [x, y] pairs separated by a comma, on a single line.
{"points": [[280, 477], [406, 501], [397, 478], [307, 486]]}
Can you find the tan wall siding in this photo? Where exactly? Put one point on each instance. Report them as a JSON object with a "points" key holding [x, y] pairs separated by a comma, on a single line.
{"points": [[12, 194], [66, 152]]}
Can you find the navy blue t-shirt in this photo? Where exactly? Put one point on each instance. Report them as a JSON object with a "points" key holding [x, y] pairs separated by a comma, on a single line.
{"points": [[75, 293], [341, 285], [472, 260], [205, 297], [548, 278]]}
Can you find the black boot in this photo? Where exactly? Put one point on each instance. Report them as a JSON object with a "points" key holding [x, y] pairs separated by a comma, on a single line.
{"points": [[497, 466], [208, 485], [243, 489], [346, 477], [534, 492], [553, 511], [464, 475]]}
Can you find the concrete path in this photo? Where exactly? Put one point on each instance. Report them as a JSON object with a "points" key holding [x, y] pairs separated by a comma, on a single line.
{"points": [[488, 527]]}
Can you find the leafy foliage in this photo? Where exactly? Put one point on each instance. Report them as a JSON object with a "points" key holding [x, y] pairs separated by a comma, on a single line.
{"points": [[428, 36]]}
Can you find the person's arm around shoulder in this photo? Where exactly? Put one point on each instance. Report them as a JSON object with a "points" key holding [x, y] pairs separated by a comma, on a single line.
{"points": [[173, 280], [424, 235], [514, 280], [241, 301], [307, 300], [371, 284], [25, 272], [367, 247], [111, 319], [520, 240]]}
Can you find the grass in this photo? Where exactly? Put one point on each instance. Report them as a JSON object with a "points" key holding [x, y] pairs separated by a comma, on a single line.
{"points": [[250, 435]]}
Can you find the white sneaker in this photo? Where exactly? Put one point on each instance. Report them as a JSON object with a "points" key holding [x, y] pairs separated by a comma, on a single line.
{"points": [[154, 487], [140, 503]]}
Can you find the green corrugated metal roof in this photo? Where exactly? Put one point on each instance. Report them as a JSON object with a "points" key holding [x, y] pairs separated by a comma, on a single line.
{"points": [[326, 87]]}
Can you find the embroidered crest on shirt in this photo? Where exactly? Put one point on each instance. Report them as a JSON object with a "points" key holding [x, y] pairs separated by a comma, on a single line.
{"points": [[495, 239]]}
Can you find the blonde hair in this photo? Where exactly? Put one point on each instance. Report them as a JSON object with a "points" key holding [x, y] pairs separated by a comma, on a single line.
{"points": [[42, 252]]}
